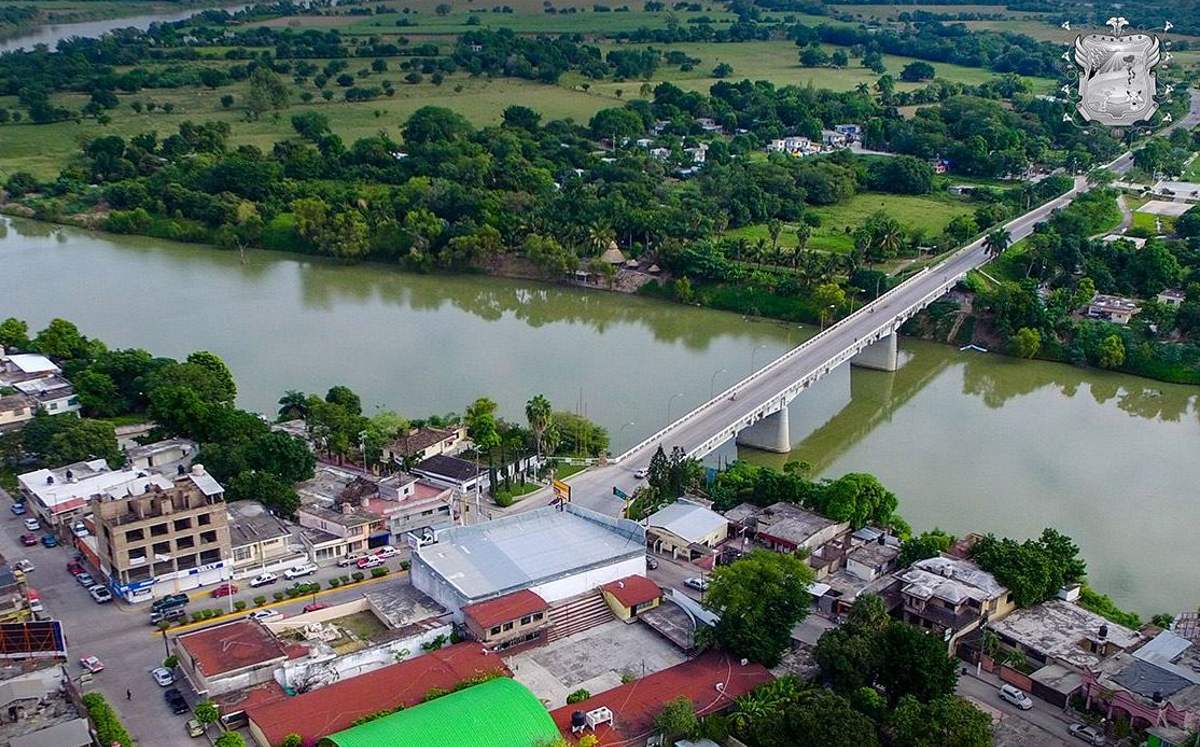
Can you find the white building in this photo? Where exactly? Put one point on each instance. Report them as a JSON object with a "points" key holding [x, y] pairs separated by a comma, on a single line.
{"points": [[54, 394], [557, 552], [59, 495]]}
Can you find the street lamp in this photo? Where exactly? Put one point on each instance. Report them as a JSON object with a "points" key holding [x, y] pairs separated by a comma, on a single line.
{"points": [[621, 430], [712, 380], [753, 352], [669, 401]]}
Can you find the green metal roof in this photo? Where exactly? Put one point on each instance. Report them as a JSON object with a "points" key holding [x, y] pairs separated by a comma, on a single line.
{"points": [[497, 713]]}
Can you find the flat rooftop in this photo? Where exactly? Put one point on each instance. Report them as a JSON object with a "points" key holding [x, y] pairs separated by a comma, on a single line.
{"points": [[521, 550], [1060, 629]]}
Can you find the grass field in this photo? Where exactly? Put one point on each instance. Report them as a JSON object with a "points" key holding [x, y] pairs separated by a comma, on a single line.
{"points": [[838, 222]]}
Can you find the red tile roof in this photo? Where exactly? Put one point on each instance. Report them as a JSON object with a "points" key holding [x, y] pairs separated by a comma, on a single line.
{"points": [[635, 704], [321, 712], [232, 646], [503, 609], [633, 590]]}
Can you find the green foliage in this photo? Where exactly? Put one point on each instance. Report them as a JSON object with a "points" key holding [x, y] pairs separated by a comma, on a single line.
{"points": [[206, 712], [230, 739], [1033, 570], [677, 720], [379, 572], [266, 488], [760, 597], [578, 696], [1104, 606], [948, 721], [295, 740], [171, 662], [1026, 342], [14, 334], [57, 441], [108, 726], [926, 545]]}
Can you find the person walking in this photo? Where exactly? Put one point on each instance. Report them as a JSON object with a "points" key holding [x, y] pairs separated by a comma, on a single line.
{"points": [[128, 694]]}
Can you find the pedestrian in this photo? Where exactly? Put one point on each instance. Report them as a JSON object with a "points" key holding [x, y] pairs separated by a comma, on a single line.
{"points": [[128, 694]]}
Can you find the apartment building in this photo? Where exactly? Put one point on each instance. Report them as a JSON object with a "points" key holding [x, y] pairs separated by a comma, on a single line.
{"points": [[165, 540]]}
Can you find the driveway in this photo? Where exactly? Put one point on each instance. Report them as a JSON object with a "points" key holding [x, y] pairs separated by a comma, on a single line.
{"points": [[1042, 725]]}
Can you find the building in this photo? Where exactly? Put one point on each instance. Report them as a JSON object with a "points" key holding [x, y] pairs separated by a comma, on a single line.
{"points": [[497, 712], [793, 146], [421, 443], [686, 529], [258, 541], [625, 715], [520, 619], [229, 656], [61, 495], [38, 711], [557, 552], [951, 597], [1172, 297], [15, 411], [630, 596], [1157, 685], [25, 366], [331, 533], [54, 394], [452, 472], [834, 139], [853, 132], [13, 602], [337, 706], [1060, 632], [786, 527], [164, 540], [1113, 309], [162, 456]]}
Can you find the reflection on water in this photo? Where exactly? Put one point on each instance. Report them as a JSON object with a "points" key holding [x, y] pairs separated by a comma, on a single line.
{"points": [[52, 34], [969, 442]]}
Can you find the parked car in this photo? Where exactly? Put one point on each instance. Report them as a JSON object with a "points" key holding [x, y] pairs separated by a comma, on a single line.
{"points": [[387, 551], [92, 664], [1089, 734], [175, 701], [195, 728], [163, 676], [349, 559], [263, 579], [17, 508], [226, 589], [640, 473], [1016, 696], [697, 583], [296, 571], [264, 615], [49, 540], [35, 606], [32, 524], [24, 565], [169, 615], [29, 539], [651, 563], [313, 607], [100, 594], [370, 561], [79, 529], [75, 568], [85, 579], [168, 602]]}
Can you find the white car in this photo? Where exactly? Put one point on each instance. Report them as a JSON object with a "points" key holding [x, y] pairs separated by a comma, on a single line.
{"points": [[263, 579], [162, 676], [92, 664], [387, 551], [79, 529], [697, 583], [1016, 696], [640, 474], [32, 524], [24, 565], [349, 559], [297, 571], [264, 614], [100, 593]]}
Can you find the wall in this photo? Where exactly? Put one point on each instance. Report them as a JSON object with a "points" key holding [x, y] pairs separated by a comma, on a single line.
{"points": [[697, 611], [332, 669], [275, 565], [578, 583]]}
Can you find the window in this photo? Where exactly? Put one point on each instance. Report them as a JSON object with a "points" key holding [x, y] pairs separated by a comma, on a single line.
{"points": [[186, 561], [508, 626], [133, 535], [182, 524], [204, 519], [495, 629], [162, 548], [210, 536], [185, 543], [159, 530], [138, 555], [210, 556], [537, 616], [526, 620], [242, 553]]}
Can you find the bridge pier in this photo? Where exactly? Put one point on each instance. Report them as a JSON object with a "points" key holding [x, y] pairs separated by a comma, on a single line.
{"points": [[881, 355], [769, 434]]}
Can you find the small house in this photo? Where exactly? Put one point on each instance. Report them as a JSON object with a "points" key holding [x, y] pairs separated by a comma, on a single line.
{"points": [[1115, 309]]}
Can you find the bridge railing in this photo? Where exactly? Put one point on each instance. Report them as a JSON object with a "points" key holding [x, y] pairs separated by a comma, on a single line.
{"points": [[810, 342]]}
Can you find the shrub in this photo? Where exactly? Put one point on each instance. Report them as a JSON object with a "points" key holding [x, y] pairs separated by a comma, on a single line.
{"points": [[171, 662], [405, 565], [334, 583], [278, 596], [578, 696], [239, 605], [109, 729], [197, 616], [378, 572], [292, 740], [260, 601], [345, 579], [357, 576]]}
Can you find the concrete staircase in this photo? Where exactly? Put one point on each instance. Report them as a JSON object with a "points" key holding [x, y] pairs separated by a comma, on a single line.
{"points": [[577, 614]]}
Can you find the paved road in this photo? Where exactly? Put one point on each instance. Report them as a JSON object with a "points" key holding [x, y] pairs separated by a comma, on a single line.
{"points": [[1041, 726]]}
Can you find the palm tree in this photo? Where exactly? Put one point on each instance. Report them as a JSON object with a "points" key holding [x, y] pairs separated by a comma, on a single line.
{"points": [[890, 240], [997, 241], [292, 405], [600, 237], [863, 88], [538, 412]]}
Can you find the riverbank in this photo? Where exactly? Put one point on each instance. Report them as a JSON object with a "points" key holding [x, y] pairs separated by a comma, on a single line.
{"points": [[25, 32]]}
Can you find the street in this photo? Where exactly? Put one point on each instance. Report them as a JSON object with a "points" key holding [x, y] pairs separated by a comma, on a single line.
{"points": [[1040, 726]]}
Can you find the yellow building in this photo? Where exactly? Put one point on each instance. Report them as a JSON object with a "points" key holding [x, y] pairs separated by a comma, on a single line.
{"points": [[630, 596]]}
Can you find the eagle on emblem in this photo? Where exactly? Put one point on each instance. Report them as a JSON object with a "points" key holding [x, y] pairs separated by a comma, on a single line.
{"points": [[1116, 78]]}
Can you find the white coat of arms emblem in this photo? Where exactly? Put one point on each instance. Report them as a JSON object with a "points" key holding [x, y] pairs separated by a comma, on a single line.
{"points": [[1117, 85]]}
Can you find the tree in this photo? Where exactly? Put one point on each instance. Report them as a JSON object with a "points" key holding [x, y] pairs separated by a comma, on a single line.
{"points": [[550, 257], [814, 718], [62, 341], [677, 720], [813, 56], [828, 297], [14, 334], [1026, 342], [58, 440], [292, 405], [206, 712], [722, 70], [267, 489], [521, 117], [311, 126], [538, 413], [856, 497], [915, 663], [926, 545], [222, 376], [481, 424], [267, 91], [996, 242], [616, 123], [443, 9], [292, 740], [1033, 570], [230, 739], [97, 393], [915, 72], [760, 597], [948, 721], [1111, 353], [435, 124], [344, 397]]}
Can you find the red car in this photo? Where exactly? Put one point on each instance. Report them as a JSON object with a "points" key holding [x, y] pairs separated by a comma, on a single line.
{"points": [[75, 568], [28, 539], [313, 607], [225, 590]]}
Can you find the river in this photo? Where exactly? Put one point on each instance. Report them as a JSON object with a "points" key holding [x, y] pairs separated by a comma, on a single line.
{"points": [[968, 441], [51, 34]]}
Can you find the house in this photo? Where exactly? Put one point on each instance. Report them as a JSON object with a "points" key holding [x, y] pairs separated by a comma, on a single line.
{"points": [[38, 710], [951, 597], [338, 706], [786, 527], [630, 596], [61, 495], [331, 533], [517, 620], [451, 472], [557, 552], [698, 154], [1157, 685], [660, 154], [708, 124], [228, 656], [166, 539], [940, 165], [686, 529], [421, 443], [402, 502], [1114, 309], [853, 132], [54, 394], [13, 601], [258, 541], [499, 711], [1061, 632], [625, 715], [25, 366], [834, 139], [15, 411], [1171, 297], [162, 456]]}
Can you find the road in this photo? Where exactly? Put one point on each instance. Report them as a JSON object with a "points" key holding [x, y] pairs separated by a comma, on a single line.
{"points": [[1041, 726]]}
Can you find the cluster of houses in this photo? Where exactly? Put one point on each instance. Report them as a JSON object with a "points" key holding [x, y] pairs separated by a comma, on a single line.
{"points": [[29, 384], [1121, 310], [841, 136]]}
